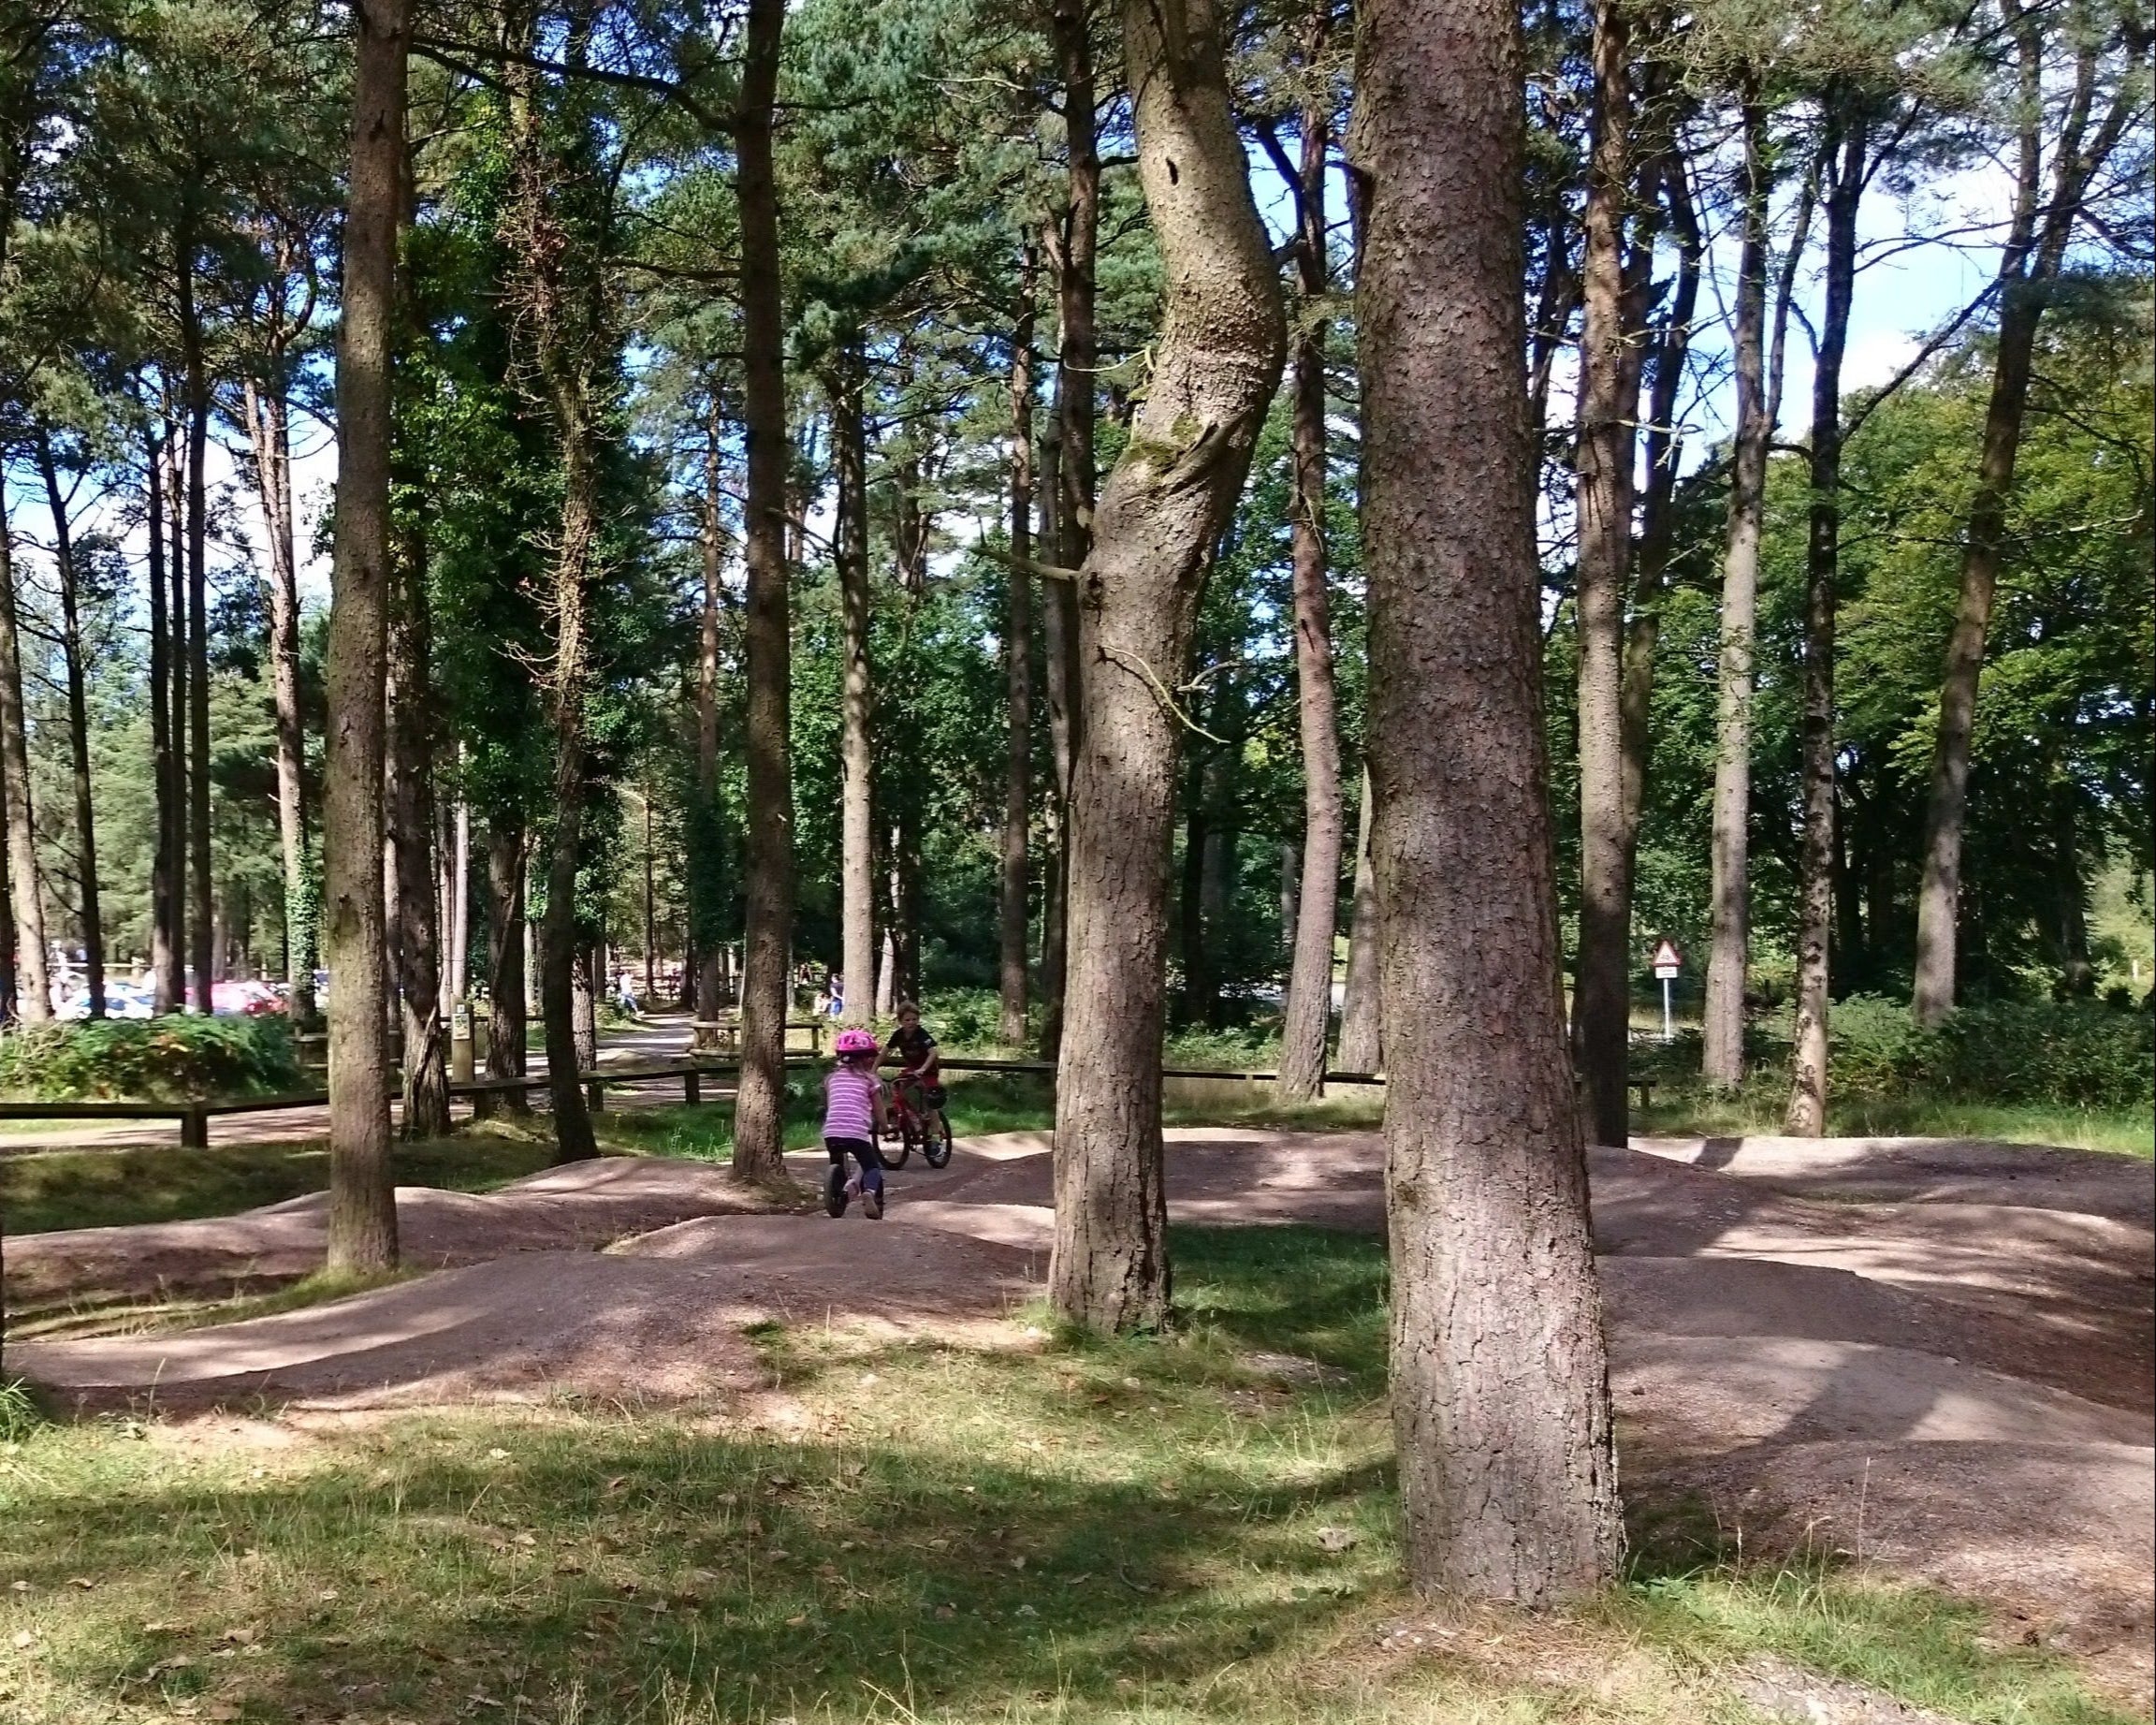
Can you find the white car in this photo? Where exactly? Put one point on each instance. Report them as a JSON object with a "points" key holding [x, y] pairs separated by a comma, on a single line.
{"points": [[121, 1001]]}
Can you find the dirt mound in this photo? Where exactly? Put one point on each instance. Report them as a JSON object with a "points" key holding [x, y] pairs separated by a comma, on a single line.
{"points": [[581, 1206]]}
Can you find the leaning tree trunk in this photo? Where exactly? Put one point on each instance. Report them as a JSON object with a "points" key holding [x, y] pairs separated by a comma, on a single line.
{"points": [[1845, 160], [1018, 676], [269, 429], [856, 749], [416, 944], [1608, 403], [505, 957], [33, 987], [1308, 1013], [92, 923], [362, 1202], [760, 1111], [1729, 932], [1362, 1049], [1216, 365], [1500, 1385]]}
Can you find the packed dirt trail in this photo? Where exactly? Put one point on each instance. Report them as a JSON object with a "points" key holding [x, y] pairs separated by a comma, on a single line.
{"points": [[1932, 1354]]}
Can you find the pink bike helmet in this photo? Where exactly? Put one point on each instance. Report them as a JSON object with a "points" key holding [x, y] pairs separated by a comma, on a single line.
{"points": [[855, 1042]]}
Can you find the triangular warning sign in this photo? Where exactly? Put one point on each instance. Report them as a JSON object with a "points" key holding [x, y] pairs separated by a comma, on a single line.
{"points": [[1667, 957]]}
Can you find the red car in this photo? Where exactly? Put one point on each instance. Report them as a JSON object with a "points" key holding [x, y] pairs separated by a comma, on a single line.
{"points": [[245, 999]]}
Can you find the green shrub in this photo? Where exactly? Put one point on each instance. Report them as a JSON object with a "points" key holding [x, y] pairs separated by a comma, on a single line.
{"points": [[2073, 1053], [175, 1059]]}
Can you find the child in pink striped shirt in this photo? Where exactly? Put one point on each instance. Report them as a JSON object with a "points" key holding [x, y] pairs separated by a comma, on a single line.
{"points": [[853, 1121]]}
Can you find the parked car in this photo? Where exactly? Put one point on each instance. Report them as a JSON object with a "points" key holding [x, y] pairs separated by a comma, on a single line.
{"points": [[245, 999], [121, 1001]]}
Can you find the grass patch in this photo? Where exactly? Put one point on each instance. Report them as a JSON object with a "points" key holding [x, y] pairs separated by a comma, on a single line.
{"points": [[1691, 1111], [1011, 1530]]}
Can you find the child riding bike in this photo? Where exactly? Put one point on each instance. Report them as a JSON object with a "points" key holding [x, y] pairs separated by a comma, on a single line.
{"points": [[854, 1119], [920, 1080]]}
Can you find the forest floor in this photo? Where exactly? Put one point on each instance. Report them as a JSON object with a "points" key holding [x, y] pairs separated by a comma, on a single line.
{"points": [[1883, 1415]]}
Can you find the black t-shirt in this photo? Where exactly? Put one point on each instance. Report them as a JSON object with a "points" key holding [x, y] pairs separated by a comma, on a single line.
{"points": [[912, 1046]]}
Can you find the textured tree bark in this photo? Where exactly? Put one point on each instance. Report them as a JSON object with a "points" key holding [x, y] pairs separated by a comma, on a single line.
{"points": [[459, 979], [1500, 1389], [1058, 651], [1306, 1015], [2034, 253], [33, 985], [416, 944], [362, 1202], [175, 724], [164, 910], [586, 977], [92, 924], [1362, 1047], [1216, 368], [269, 432], [1018, 674], [506, 862], [202, 944], [856, 748], [1721, 1060], [1609, 361], [1842, 159], [759, 1114]]}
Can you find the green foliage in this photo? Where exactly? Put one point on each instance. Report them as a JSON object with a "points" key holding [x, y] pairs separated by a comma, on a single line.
{"points": [[20, 1415], [2068, 1053], [173, 1059]]}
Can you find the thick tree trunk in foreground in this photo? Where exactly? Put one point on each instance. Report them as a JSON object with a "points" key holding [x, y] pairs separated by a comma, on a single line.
{"points": [[162, 911], [269, 429], [1500, 1387], [1306, 1015], [856, 746], [362, 1203], [1723, 1056], [1843, 160], [1216, 368], [92, 924], [1608, 400], [759, 1114], [1018, 676], [505, 1026], [33, 988], [706, 842], [1362, 1047], [415, 949]]}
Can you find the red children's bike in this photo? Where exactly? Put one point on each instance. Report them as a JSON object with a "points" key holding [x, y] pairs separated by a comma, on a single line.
{"points": [[917, 1112]]}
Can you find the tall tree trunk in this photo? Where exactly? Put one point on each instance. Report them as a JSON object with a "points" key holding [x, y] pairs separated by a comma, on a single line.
{"points": [[1018, 673], [586, 979], [505, 864], [1500, 1395], [759, 1114], [362, 1202], [415, 945], [1657, 505], [1842, 161], [2076, 975], [706, 846], [175, 724], [202, 947], [459, 979], [856, 749], [268, 431], [1077, 369], [1362, 1047], [1217, 366], [1723, 1058], [1609, 361], [1308, 1013], [2029, 264], [165, 998], [34, 990], [78, 725], [1059, 667]]}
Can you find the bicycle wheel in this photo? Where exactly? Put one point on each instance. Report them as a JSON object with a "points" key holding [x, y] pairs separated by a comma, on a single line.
{"points": [[835, 1189], [936, 1140], [897, 1159]]}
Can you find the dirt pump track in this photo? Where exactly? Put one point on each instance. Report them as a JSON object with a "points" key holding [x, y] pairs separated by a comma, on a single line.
{"points": [[1932, 1354]]}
